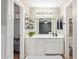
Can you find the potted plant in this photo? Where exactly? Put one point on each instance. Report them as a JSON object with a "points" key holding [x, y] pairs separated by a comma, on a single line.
{"points": [[31, 34]]}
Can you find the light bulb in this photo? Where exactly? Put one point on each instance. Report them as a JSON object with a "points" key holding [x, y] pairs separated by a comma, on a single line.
{"points": [[46, 22]]}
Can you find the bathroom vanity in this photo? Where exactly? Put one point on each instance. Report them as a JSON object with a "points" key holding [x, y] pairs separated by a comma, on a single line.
{"points": [[44, 45]]}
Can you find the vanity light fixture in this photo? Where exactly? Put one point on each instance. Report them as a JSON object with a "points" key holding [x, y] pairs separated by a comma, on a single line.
{"points": [[45, 22]]}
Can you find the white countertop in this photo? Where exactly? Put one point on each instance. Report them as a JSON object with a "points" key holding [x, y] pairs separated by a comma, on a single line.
{"points": [[45, 36]]}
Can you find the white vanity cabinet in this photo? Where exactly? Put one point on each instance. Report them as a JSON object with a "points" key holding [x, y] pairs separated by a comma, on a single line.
{"points": [[40, 47], [44, 46], [34, 47], [31, 47], [54, 46]]}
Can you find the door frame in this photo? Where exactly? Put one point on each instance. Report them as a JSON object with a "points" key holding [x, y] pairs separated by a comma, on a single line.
{"points": [[10, 29], [21, 28], [66, 31]]}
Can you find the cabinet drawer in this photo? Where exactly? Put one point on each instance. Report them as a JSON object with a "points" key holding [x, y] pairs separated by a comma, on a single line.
{"points": [[54, 46]]}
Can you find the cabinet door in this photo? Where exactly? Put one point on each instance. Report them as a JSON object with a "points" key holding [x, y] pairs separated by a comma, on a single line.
{"points": [[53, 46], [40, 47], [31, 47]]}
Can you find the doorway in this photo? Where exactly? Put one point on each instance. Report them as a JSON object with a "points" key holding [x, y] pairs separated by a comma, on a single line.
{"points": [[16, 31], [69, 13]]}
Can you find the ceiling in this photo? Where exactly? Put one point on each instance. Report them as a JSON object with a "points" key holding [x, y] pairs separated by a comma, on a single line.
{"points": [[45, 3]]}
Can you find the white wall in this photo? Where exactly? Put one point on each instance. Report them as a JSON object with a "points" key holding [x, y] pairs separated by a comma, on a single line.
{"points": [[63, 13], [74, 29], [26, 6], [8, 28], [3, 41], [36, 16], [3, 28], [35, 10], [63, 6], [45, 3]]}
